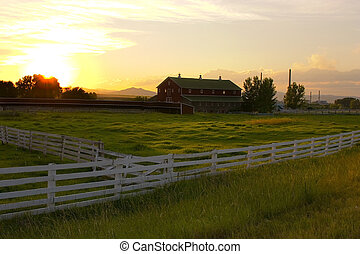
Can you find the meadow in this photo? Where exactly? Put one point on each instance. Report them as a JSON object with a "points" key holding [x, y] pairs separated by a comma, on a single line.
{"points": [[308, 198], [155, 133]]}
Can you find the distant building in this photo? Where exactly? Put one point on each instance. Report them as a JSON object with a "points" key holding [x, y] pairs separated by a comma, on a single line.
{"points": [[206, 95], [324, 103]]}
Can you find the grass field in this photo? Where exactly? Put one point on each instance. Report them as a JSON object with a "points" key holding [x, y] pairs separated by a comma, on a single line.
{"points": [[155, 133], [312, 198]]}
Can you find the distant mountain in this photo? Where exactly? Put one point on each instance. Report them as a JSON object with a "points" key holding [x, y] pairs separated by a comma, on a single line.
{"points": [[133, 91], [136, 91], [325, 97]]}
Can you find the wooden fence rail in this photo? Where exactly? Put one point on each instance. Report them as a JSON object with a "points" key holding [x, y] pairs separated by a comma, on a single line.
{"points": [[76, 149], [40, 189]]}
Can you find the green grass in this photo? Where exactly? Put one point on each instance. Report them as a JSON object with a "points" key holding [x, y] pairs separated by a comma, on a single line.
{"points": [[156, 133], [311, 198]]}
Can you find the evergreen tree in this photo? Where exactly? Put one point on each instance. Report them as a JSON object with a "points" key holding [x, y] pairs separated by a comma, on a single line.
{"points": [[266, 100], [258, 95], [250, 94], [295, 96]]}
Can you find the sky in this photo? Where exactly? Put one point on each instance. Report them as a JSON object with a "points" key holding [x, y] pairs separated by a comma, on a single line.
{"points": [[114, 45]]}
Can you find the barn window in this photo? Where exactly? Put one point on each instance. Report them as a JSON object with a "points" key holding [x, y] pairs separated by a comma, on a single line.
{"points": [[159, 90], [172, 90], [165, 90], [213, 91], [223, 92], [169, 83], [189, 90], [201, 91]]}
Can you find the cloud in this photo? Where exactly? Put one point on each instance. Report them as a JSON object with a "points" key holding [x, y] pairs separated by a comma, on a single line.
{"points": [[329, 81], [357, 50], [94, 26], [316, 61]]}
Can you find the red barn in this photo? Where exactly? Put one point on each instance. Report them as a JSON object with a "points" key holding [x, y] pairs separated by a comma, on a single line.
{"points": [[206, 95]]}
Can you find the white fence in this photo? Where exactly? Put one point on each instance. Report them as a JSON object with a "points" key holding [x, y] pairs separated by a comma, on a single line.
{"points": [[76, 149], [40, 189]]}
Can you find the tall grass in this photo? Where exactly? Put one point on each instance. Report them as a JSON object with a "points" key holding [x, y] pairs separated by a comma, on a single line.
{"points": [[156, 134], [310, 198]]}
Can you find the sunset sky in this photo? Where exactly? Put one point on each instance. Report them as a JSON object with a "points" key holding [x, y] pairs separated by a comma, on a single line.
{"points": [[119, 44]]}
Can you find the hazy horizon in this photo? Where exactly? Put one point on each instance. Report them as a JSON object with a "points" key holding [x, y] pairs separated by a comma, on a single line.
{"points": [[116, 45]]}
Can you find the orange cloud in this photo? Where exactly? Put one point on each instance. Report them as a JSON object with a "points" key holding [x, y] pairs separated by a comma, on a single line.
{"points": [[316, 61]]}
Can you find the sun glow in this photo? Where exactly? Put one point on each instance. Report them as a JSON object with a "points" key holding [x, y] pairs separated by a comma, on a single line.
{"points": [[50, 62]]}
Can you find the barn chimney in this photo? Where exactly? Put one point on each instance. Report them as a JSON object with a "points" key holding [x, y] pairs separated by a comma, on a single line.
{"points": [[200, 77], [219, 77], [289, 77], [179, 75]]}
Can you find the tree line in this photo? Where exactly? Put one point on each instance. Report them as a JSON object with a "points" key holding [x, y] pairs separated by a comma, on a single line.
{"points": [[37, 86], [259, 95]]}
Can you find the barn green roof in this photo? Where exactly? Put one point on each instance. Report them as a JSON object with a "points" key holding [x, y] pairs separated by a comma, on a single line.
{"points": [[212, 84], [202, 98]]}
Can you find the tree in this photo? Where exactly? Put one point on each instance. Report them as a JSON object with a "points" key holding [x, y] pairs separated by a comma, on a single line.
{"points": [[37, 86], [355, 104], [265, 101], [295, 96], [77, 93], [141, 98], [24, 86], [46, 87], [258, 95], [250, 93], [7, 89], [345, 102]]}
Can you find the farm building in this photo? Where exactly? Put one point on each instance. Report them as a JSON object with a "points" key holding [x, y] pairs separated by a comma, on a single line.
{"points": [[206, 95]]}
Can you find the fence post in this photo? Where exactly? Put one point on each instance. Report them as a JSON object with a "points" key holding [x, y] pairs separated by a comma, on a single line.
{"points": [[101, 148], [30, 140], [273, 148], [312, 147], [96, 156], [327, 145], [18, 137], [295, 148], [170, 166], [51, 188], [341, 140], [118, 180], [3, 135], [248, 164], [6, 135], [45, 143], [62, 147], [213, 161], [78, 153]]}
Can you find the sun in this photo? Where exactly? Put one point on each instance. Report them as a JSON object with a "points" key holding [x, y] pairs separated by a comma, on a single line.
{"points": [[50, 62]]}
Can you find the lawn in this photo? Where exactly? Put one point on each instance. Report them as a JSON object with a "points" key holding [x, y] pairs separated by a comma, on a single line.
{"points": [[309, 198], [155, 133]]}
